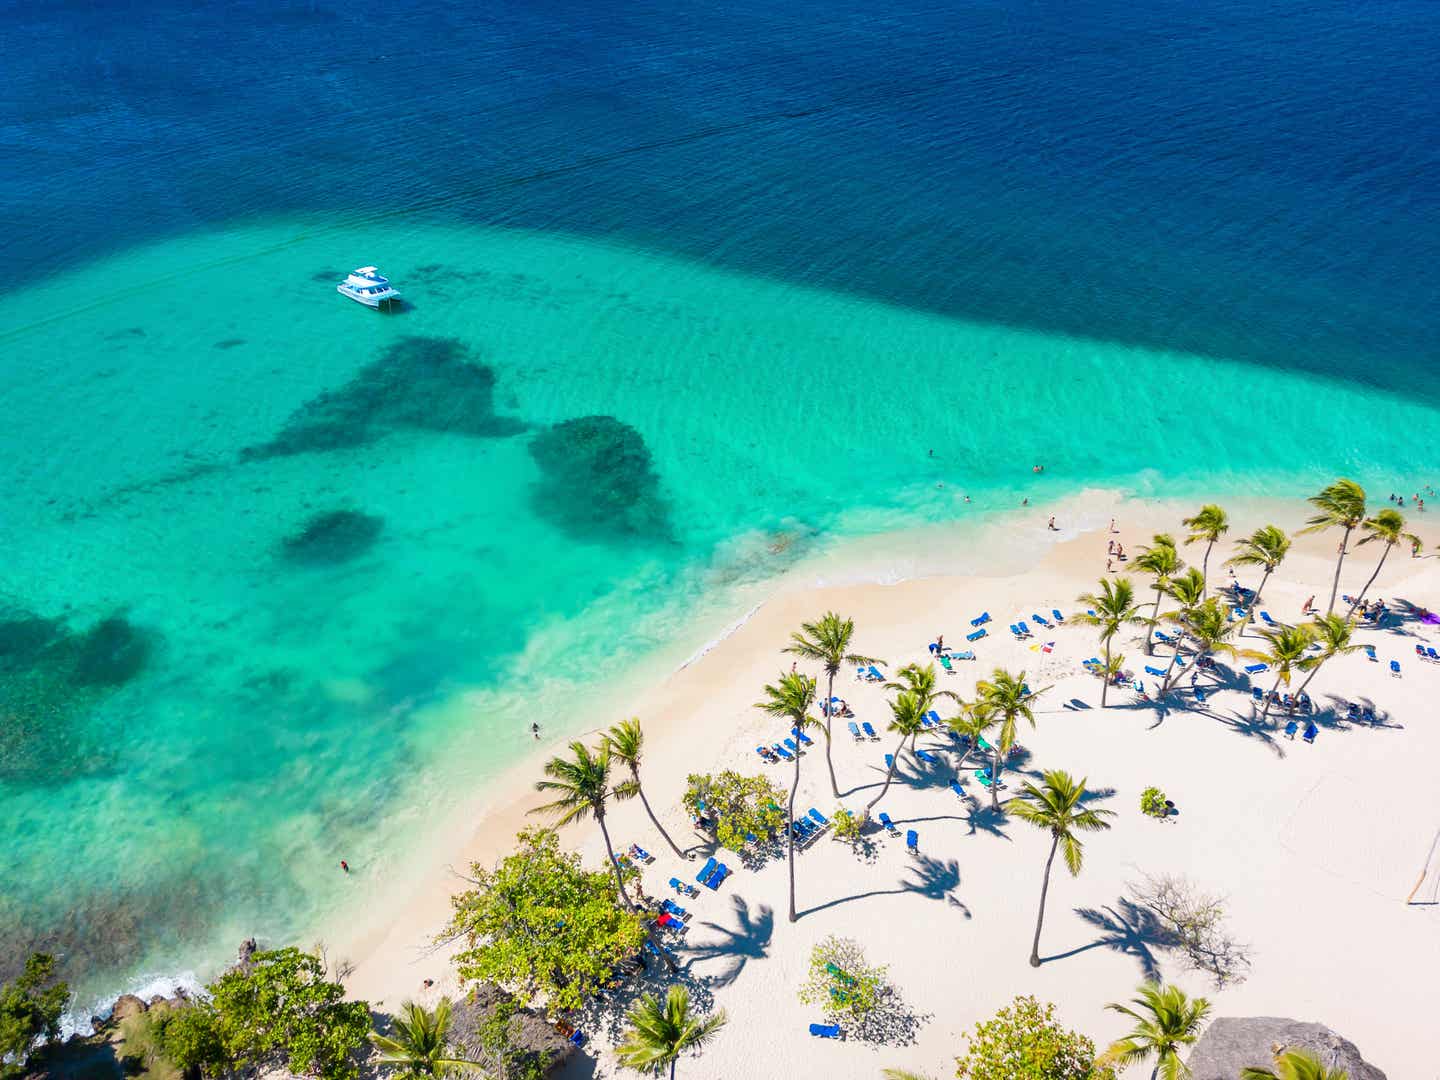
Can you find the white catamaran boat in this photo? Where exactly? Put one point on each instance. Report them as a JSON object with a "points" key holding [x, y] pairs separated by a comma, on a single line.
{"points": [[367, 286]]}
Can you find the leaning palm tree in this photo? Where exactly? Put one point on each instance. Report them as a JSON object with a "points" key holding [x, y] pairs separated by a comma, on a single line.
{"points": [[1003, 699], [420, 1043], [1333, 634], [923, 683], [1294, 1065], [1162, 562], [1209, 524], [970, 726], [1209, 629], [1266, 548], [1286, 652], [907, 717], [1166, 1020], [627, 743], [1188, 591], [1340, 506], [791, 697], [660, 1031], [1055, 806], [828, 641], [1387, 528], [582, 785], [1110, 609]]}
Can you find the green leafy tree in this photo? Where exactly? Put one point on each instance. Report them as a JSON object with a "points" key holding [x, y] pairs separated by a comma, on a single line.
{"points": [[845, 825], [190, 1039], [1209, 524], [1340, 506], [907, 715], [30, 1010], [1387, 528], [1057, 806], [660, 1031], [1003, 699], [743, 806], [1024, 1041], [1162, 562], [541, 925], [1294, 1065], [1335, 637], [1266, 548], [1287, 650], [282, 1011], [827, 642], [627, 746], [841, 983], [1115, 608], [790, 697], [1166, 1021], [420, 1045]]}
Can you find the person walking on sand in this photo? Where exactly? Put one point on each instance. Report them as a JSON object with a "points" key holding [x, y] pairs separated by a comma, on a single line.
{"points": [[1051, 525], [1110, 548], [1109, 566], [1112, 526]]}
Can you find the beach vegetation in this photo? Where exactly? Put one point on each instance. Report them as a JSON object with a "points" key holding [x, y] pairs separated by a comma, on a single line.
{"points": [[1004, 698], [1341, 506], [846, 825], [1387, 528], [1287, 651], [1209, 629], [419, 1043], [541, 925], [827, 641], [1335, 636], [1166, 1021], [1152, 803], [1024, 1041], [971, 726], [1057, 805], [1266, 548], [1109, 610], [627, 746], [188, 1039], [141, 1049], [1209, 524], [1162, 562], [1195, 922], [1294, 1064], [923, 682], [842, 984], [661, 1029], [30, 1008], [907, 719], [742, 806], [791, 697]]}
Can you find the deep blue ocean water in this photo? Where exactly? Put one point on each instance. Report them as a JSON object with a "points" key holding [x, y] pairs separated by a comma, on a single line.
{"points": [[789, 248]]}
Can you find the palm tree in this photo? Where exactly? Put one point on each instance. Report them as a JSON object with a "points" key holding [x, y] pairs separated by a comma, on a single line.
{"points": [[1333, 634], [828, 641], [420, 1044], [1208, 627], [791, 697], [1162, 562], [971, 726], [1388, 529], [661, 1031], [1286, 652], [1165, 1021], [1188, 590], [1209, 524], [627, 743], [1004, 698], [922, 682], [1294, 1065], [1056, 807], [1113, 606], [1266, 548], [908, 718], [1341, 506]]}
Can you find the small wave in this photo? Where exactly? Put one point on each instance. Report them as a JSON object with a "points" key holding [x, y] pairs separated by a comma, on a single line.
{"points": [[727, 632], [79, 1020]]}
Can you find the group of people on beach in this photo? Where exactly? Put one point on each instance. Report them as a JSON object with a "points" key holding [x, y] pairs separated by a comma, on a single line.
{"points": [[1415, 498], [1114, 550]]}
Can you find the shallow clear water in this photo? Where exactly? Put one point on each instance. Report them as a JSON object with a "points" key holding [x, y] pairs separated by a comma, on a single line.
{"points": [[828, 275]]}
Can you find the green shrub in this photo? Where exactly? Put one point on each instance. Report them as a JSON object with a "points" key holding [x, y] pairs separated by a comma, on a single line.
{"points": [[841, 983], [846, 825], [1023, 1041], [1152, 802]]}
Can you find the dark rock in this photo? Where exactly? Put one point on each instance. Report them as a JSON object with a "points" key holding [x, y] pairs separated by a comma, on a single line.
{"points": [[597, 481], [333, 537], [539, 1042], [112, 652], [1232, 1043], [126, 1006], [24, 637]]}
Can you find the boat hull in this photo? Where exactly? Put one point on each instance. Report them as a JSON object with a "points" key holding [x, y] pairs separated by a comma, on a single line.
{"points": [[369, 301]]}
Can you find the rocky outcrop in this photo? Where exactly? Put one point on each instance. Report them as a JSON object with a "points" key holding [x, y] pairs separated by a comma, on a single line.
{"points": [[1233, 1042], [530, 1032]]}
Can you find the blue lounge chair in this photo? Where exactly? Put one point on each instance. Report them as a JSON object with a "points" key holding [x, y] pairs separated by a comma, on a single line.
{"points": [[912, 840], [1154, 671], [790, 743], [1310, 732], [855, 730], [577, 1037], [1056, 612], [641, 854], [1016, 631], [1265, 615], [1090, 611], [945, 663], [682, 888], [927, 757], [707, 870], [933, 717], [1290, 729], [869, 730], [783, 752], [977, 635], [1200, 695], [675, 909], [969, 654], [825, 1031], [720, 873], [765, 755], [874, 674], [885, 820], [1041, 620], [819, 818], [981, 619], [802, 736], [984, 778], [1431, 653], [1257, 693], [1163, 637], [1306, 705], [1395, 668], [1023, 629], [957, 788], [1368, 715], [889, 761], [1370, 652], [1256, 669]]}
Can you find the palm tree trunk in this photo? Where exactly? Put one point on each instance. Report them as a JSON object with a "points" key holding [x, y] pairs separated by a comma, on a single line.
{"points": [[653, 819], [624, 895], [890, 773], [995, 778], [1383, 553], [1205, 570], [790, 835], [1044, 890], [827, 711], [1174, 660], [672, 1068], [1105, 683], [1154, 622], [1335, 586], [1270, 697]]}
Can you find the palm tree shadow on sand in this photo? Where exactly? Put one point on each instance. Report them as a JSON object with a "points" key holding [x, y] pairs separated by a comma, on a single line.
{"points": [[934, 879], [1126, 928], [748, 939]]}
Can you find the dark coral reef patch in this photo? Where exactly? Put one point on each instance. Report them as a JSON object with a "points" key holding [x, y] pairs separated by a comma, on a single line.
{"points": [[598, 482], [333, 537]]}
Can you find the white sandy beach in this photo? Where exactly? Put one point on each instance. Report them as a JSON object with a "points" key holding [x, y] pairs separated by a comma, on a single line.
{"points": [[1316, 846]]}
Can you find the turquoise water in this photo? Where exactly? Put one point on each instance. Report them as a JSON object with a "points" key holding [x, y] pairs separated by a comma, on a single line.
{"points": [[264, 710]]}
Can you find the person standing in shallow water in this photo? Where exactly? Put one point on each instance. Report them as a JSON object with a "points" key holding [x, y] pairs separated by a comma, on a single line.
{"points": [[535, 730]]}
